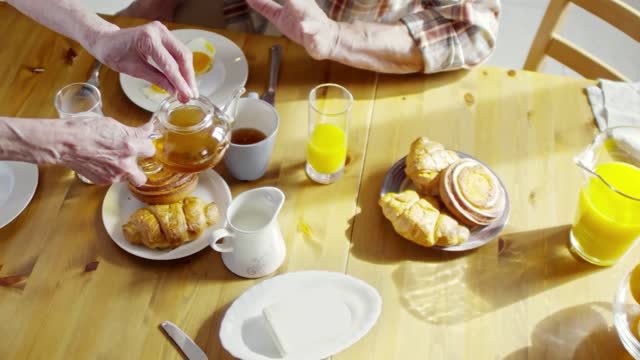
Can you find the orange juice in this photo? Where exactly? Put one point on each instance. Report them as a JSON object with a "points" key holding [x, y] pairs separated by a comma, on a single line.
{"points": [[327, 148], [607, 223]]}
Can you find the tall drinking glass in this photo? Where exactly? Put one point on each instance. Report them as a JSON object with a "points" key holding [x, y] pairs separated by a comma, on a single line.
{"points": [[329, 113], [607, 222], [79, 100]]}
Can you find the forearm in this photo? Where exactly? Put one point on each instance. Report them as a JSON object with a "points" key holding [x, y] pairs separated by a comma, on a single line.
{"points": [[378, 47], [36, 141], [68, 17]]}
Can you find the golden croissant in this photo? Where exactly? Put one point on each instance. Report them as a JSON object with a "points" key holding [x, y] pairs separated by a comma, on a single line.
{"points": [[425, 161], [169, 226], [421, 221]]}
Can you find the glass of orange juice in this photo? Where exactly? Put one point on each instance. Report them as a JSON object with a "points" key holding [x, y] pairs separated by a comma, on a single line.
{"points": [[329, 112], [607, 221]]}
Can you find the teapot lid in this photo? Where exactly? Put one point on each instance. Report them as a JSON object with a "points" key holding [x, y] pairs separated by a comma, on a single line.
{"points": [[202, 103]]}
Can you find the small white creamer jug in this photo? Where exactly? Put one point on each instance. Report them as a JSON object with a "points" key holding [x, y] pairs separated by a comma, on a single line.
{"points": [[253, 245]]}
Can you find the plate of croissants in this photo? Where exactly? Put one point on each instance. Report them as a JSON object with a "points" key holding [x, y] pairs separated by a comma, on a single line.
{"points": [[444, 199], [170, 217]]}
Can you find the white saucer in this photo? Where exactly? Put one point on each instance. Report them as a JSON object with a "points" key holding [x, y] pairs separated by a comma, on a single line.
{"points": [[119, 204], [18, 183], [229, 73], [245, 334]]}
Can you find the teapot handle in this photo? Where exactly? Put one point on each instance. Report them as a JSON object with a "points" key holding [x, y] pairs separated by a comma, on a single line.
{"points": [[222, 247]]}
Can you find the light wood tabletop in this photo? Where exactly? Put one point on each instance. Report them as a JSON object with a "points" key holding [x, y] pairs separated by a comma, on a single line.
{"points": [[67, 291]]}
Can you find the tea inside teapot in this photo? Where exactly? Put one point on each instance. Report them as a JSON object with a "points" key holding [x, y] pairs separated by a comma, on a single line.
{"points": [[190, 137]]}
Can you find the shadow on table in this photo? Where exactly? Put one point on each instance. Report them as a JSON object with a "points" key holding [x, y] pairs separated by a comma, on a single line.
{"points": [[208, 335], [578, 332], [513, 268]]}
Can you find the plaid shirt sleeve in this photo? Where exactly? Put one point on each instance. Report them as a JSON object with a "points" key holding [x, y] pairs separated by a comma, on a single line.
{"points": [[454, 34]]}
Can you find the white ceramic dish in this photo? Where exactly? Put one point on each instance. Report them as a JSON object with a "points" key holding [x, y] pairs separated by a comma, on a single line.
{"points": [[229, 73], [18, 183], [397, 181], [245, 334], [119, 204]]}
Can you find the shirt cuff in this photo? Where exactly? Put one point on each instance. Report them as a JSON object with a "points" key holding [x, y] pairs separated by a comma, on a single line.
{"points": [[446, 44]]}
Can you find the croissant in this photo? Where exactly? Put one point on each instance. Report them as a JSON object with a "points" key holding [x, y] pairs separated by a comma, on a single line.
{"points": [[420, 220], [424, 163], [169, 226]]}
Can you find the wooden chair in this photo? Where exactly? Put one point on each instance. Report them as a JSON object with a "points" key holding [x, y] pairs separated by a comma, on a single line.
{"points": [[548, 42]]}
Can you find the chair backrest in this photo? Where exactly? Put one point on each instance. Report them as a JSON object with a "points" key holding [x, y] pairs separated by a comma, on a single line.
{"points": [[549, 42]]}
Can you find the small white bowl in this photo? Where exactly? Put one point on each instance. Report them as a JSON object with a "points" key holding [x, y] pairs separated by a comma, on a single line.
{"points": [[625, 310]]}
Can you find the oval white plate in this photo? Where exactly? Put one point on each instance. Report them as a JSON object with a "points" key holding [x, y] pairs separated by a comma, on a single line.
{"points": [[397, 181], [18, 183], [230, 71], [244, 333], [119, 204]]}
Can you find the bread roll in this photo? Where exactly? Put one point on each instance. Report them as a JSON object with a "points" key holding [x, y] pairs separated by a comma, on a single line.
{"points": [[165, 187], [425, 161], [472, 193]]}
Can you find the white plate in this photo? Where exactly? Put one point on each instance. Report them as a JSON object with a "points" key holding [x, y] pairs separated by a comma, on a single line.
{"points": [[18, 183], [119, 204], [229, 73], [244, 332], [397, 181]]}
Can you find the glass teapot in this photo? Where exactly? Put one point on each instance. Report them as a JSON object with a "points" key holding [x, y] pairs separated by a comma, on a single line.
{"points": [[190, 137]]}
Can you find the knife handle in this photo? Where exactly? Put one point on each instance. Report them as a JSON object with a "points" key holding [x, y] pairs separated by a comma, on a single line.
{"points": [[276, 53]]}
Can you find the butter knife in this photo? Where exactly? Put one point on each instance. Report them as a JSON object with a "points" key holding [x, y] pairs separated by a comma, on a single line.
{"points": [[93, 80], [270, 95], [183, 341]]}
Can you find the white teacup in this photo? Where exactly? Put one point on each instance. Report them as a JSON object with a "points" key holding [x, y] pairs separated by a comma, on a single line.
{"points": [[249, 161]]}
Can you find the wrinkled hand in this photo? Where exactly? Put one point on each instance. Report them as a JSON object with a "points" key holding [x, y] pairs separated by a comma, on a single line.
{"points": [[301, 21], [127, 51], [104, 150]]}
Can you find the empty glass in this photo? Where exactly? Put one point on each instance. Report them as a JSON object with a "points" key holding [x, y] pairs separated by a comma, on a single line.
{"points": [[79, 100], [329, 113]]}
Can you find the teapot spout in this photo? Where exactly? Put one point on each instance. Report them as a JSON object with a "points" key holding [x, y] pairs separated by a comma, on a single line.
{"points": [[230, 106]]}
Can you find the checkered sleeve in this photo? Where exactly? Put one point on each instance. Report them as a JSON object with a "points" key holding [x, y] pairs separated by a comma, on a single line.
{"points": [[454, 34]]}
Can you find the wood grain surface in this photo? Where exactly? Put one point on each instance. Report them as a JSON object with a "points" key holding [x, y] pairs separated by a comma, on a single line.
{"points": [[72, 293]]}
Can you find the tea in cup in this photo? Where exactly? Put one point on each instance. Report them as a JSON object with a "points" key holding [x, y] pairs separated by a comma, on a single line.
{"points": [[253, 134]]}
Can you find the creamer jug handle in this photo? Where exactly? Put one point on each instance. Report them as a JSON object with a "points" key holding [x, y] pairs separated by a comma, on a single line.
{"points": [[220, 234]]}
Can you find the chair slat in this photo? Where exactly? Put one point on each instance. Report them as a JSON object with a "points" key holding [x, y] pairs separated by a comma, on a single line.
{"points": [[615, 12], [551, 20], [580, 61]]}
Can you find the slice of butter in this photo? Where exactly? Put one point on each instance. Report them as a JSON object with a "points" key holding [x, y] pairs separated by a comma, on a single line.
{"points": [[304, 324]]}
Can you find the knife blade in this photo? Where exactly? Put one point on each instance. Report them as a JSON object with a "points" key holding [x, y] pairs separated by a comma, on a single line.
{"points": [[183, 341], [270, 95]]}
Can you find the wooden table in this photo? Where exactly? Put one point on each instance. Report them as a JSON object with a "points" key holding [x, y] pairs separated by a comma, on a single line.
{"points": [[521, 296]]}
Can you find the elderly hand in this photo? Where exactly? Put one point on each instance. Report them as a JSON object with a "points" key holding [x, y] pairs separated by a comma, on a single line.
{"points": [[127, 50], [104, 150], [303, 22]]}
